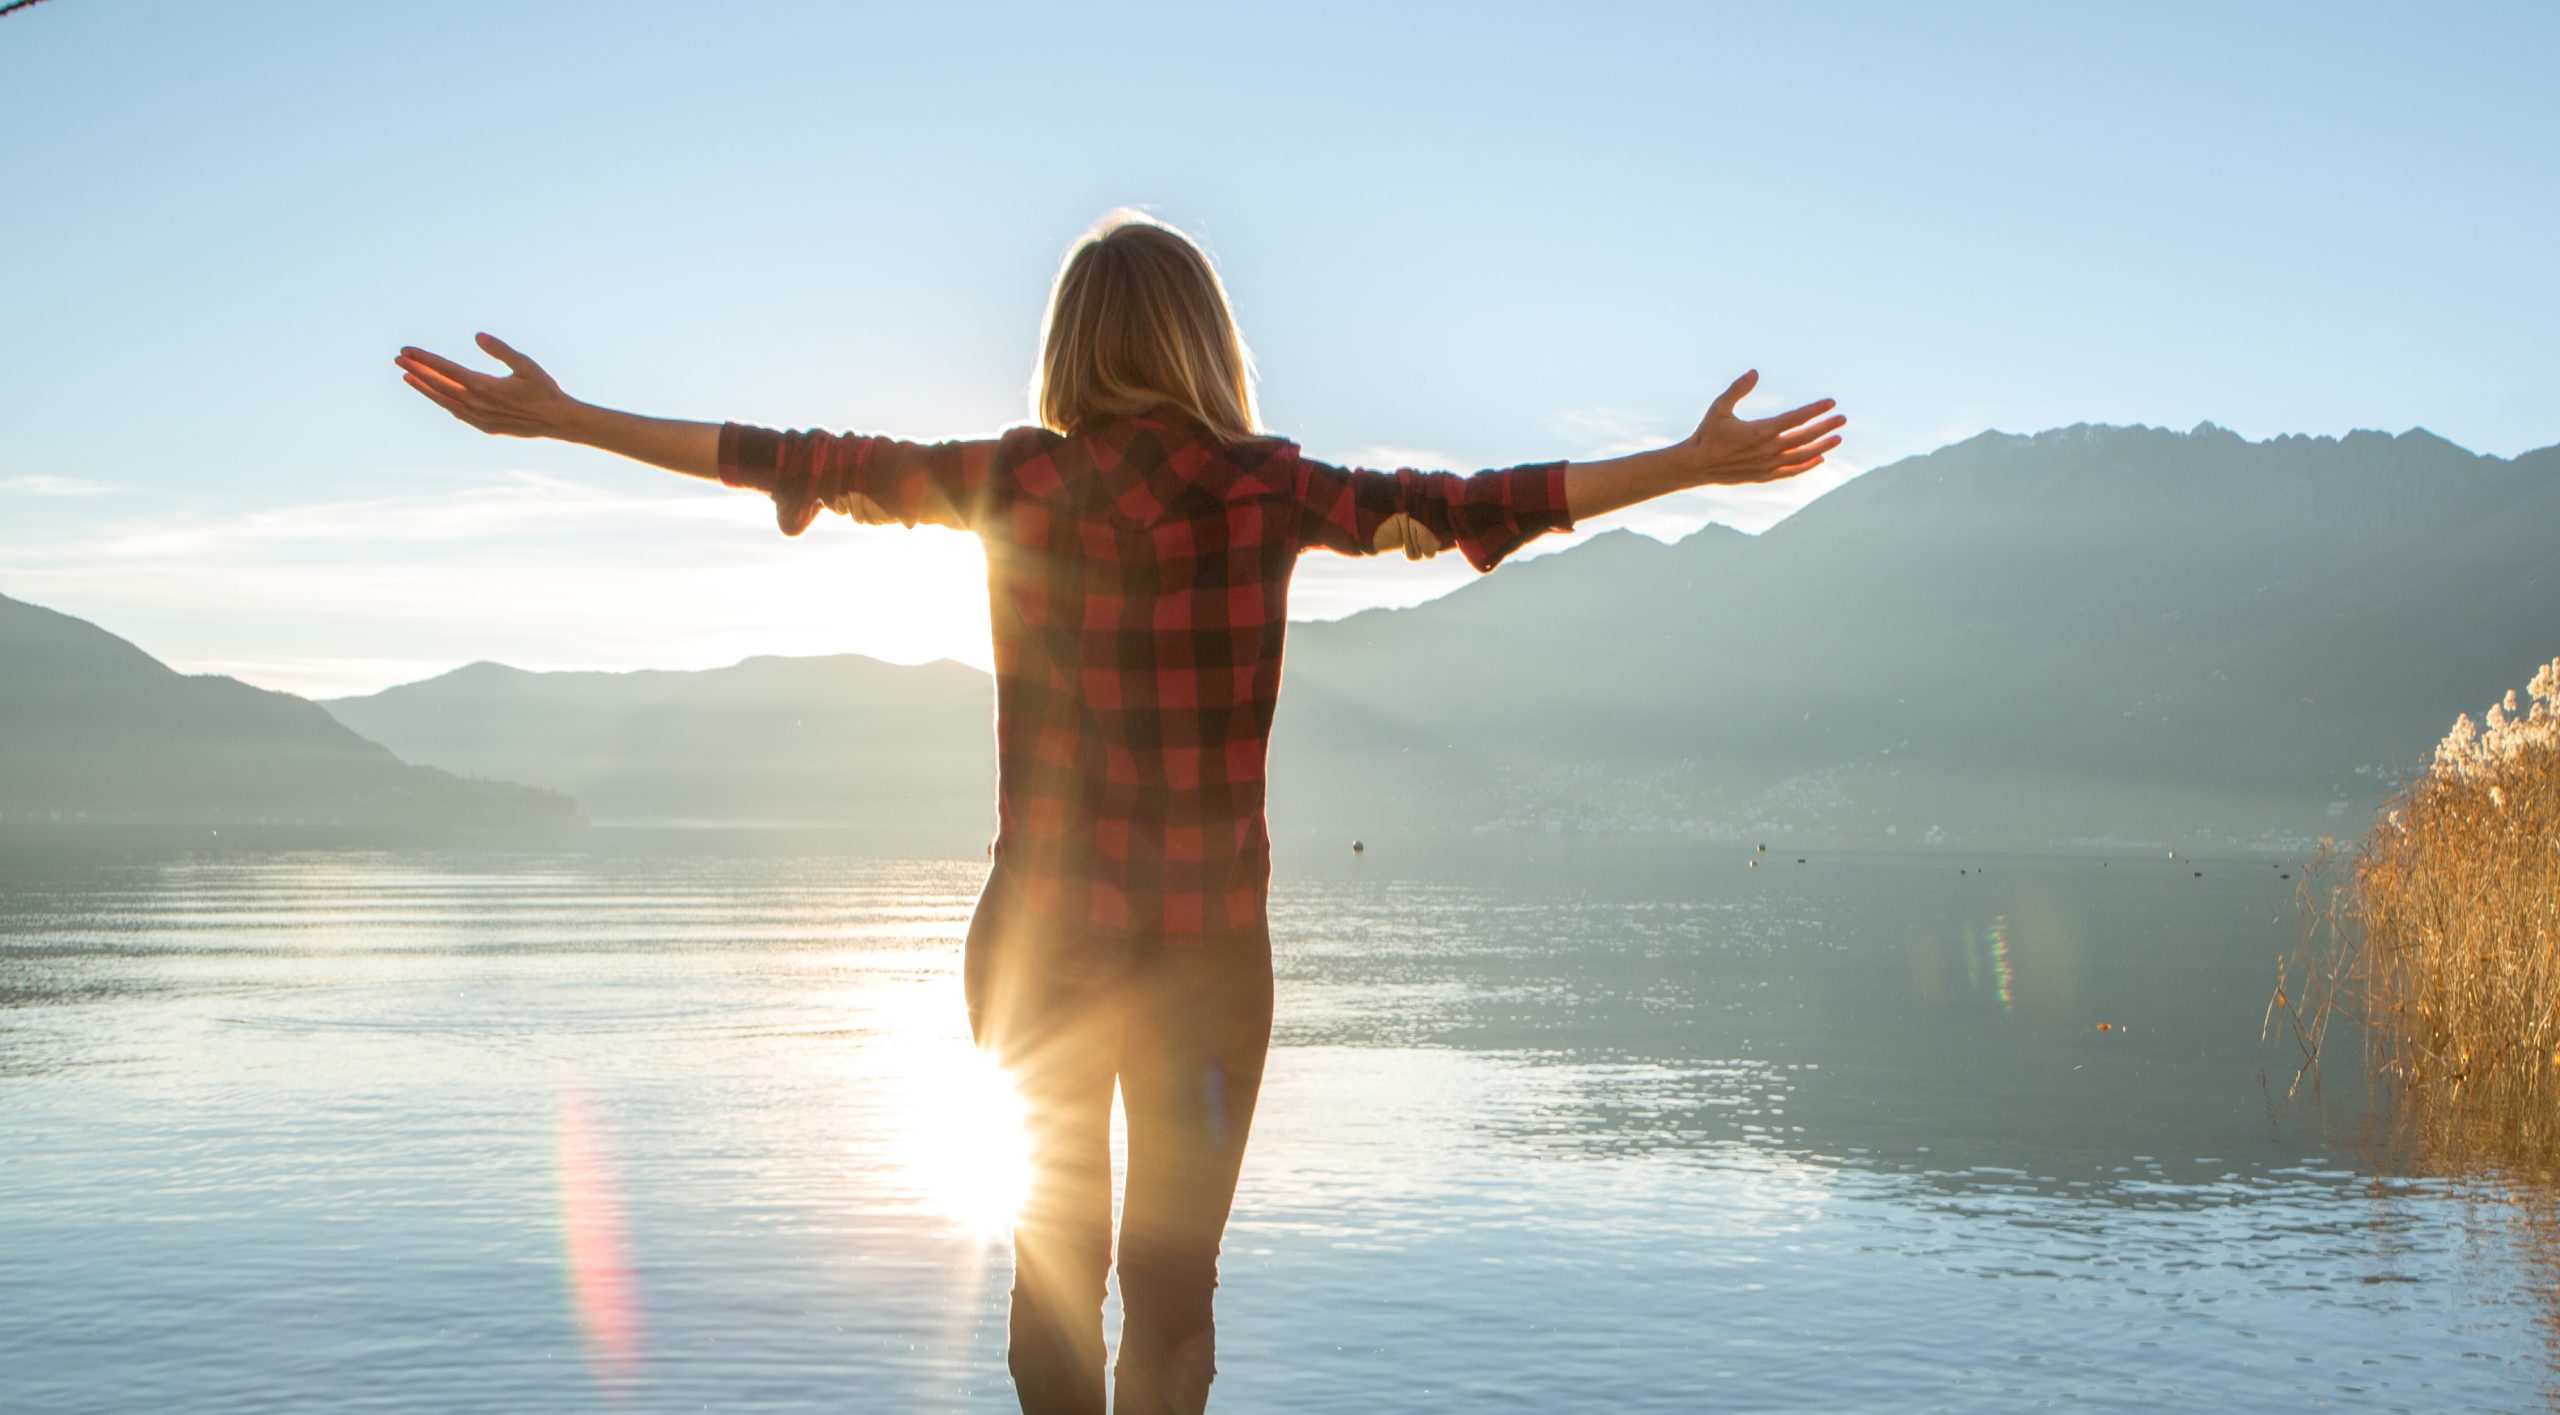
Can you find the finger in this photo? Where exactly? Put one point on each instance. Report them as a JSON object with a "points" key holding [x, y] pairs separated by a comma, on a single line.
{"points": [[1815, 450], [468, 378], [1803, 435], [434, 395], [1725, 402], [1793, 469], [1793, 416], [413, 367], [504, 353]]}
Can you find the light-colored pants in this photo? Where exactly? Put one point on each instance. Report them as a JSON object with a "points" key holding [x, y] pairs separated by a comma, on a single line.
{"points": [[1183, 1030]]}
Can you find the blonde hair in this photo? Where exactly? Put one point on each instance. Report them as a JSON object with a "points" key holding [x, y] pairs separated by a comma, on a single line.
{"points": [[1139, 318]]}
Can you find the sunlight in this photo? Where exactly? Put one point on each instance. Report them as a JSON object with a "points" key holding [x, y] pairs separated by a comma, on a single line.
{"points": [[967, 1146], [392, 589], [907, 596]]}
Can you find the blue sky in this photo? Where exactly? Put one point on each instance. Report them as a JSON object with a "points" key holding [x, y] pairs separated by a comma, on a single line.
{"points": [[1469, 234]]}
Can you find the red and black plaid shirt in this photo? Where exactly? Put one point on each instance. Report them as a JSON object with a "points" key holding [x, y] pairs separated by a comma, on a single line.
{"points": [[1139, 577]]}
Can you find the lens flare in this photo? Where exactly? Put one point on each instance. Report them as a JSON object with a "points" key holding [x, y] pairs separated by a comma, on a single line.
{"points": [[969, 1148], [2003, 979], [598, 1258]]}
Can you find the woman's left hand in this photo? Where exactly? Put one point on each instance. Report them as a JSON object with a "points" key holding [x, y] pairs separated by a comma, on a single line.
{"points": [[1731, 450], [525, 403]]}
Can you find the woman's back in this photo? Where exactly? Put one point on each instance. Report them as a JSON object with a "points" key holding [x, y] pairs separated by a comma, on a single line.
{"points": [[1138, 576]]}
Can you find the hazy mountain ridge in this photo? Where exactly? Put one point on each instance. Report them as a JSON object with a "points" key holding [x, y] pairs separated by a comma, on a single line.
{"points": [[2095, 632], [837, 740], [2091, 633], [94, 729]]}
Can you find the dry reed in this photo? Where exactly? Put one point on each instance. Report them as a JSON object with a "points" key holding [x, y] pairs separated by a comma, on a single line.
{"points": [[2439, 933]]}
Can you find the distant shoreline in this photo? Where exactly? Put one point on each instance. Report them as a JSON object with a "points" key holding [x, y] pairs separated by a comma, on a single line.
{"points": [[889, 842]]}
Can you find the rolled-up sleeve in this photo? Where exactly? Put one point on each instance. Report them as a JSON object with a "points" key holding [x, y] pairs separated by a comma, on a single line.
{"points": [[872, 479], [1486, 516]]}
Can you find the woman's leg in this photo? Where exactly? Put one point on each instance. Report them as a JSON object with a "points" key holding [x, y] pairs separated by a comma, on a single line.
{"points": [[1058, 1037], [1062, 1238], [1191, 1058]]}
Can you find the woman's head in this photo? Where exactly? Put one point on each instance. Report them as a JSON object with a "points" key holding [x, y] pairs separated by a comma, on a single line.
{"points": [[1139, 318]]}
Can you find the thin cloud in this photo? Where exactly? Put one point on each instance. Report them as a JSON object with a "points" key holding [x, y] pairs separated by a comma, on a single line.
{"points": [[1610, 432], [350, 596], [519, 506], [40, 484], [326, 676], [1389, 457]]}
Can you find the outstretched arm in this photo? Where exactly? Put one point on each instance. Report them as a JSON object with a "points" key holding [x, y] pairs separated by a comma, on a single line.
{"points": [[1726, 450], [529, 403], [873, 479], [1360, 512]]}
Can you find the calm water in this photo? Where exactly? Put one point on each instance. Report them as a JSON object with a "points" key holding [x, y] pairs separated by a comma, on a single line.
{"points": [[686, 1121]]}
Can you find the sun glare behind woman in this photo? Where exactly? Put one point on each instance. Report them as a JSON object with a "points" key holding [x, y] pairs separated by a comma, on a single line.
{"points": [[795, 604], [966, 1145]]}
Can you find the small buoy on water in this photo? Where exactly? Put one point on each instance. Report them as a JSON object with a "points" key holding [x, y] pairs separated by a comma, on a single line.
{"points": [[2106, 1026], [1799, 859], [1357, 847], [1764, 847], [1755, 864], [2199, 874]]}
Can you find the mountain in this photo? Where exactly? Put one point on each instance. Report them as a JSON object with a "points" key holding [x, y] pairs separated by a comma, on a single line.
{"points": [[2094, 634], [93, 728], [842, 740]]}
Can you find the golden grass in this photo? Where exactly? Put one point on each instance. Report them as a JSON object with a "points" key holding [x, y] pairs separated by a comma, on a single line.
{"points": [[2439, 933]]}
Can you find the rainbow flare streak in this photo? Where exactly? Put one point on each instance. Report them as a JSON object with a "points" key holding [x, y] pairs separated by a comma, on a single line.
{"points": [[2001, 976], [598, 1259]]}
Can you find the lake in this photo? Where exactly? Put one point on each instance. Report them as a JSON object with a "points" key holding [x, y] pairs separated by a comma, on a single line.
{"points": [[689, 1120]]}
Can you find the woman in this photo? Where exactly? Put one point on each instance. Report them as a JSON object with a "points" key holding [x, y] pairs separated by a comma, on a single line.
{"points": [[1139, 543]]}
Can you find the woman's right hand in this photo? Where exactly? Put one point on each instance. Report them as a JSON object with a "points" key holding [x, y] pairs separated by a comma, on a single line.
{"points": [[525, 403], [1729, 450]]}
